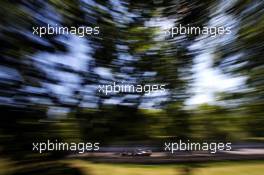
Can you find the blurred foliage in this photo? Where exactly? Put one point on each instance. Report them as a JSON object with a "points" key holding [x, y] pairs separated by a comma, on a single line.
{"points": [[133, 52], [242, 56]]}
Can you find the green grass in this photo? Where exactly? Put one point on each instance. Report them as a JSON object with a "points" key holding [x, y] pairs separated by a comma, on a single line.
{"points": [[88, 168], [5, 166], [231, 168]]}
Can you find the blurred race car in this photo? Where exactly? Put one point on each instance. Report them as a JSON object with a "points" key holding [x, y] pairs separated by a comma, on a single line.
{"points": [[137, 152]]}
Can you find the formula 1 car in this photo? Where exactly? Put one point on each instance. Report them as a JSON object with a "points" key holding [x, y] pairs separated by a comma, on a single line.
{"points": [[137, 152]]}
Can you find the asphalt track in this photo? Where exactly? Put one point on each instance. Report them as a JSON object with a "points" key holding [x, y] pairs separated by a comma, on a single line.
{"points": [[167, 158]]}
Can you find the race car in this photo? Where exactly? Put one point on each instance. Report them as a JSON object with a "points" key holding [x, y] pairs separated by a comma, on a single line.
{"points": [[137, 152]]}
